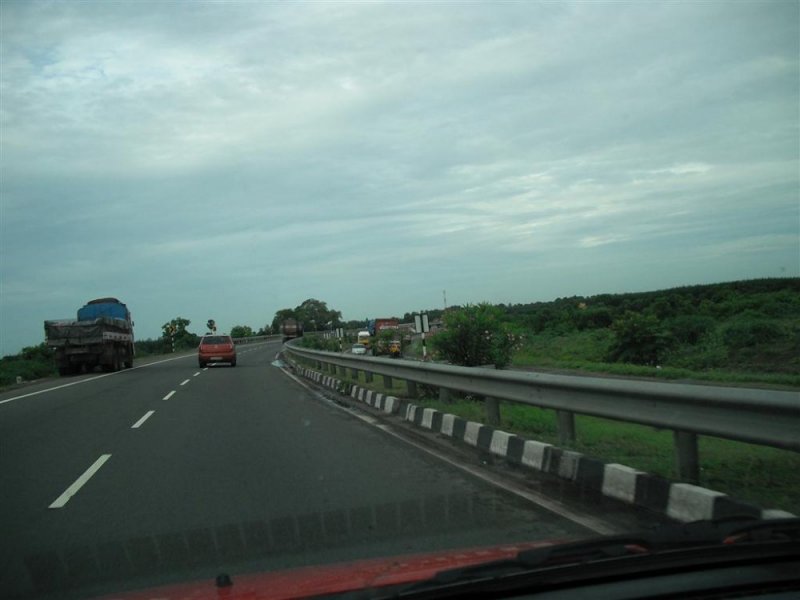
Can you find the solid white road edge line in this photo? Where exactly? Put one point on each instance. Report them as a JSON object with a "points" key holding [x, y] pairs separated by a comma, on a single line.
{"points": [[66, 385], [170, 395], [80, 482], [184, 382], [586, 520], [142, 420]]}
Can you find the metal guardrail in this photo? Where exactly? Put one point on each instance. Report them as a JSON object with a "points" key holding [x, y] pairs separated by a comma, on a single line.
{"points": [[758, 416], [256, 338]]}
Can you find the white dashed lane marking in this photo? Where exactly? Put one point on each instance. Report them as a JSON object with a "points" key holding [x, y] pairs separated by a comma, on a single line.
{"points": [[142, 420], [170, 395], [184, 382], [80, 482]]}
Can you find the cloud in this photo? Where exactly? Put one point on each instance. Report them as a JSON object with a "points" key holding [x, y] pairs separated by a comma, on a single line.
{"points": [[170, 155]]}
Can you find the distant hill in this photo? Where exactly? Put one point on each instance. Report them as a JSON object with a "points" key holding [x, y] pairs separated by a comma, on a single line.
{"points": [[751, 325]]}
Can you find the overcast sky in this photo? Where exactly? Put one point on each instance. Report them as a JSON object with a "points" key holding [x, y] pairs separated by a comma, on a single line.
{"points": [[225, 160]]}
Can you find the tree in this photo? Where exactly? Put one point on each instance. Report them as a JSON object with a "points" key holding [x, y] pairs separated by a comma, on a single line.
{"points": [[281, 316], [315, 314], [241, 331], [176, 330], [475, 335]]}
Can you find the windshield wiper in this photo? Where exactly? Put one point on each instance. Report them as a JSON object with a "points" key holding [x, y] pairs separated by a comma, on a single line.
{"points": [[698, 534]]}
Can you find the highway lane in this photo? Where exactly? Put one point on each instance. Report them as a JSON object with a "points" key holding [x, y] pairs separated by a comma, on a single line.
{"points": [[238, 469]]}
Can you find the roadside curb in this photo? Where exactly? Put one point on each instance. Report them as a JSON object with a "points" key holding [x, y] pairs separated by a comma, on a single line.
{"points": [[679, 501]]}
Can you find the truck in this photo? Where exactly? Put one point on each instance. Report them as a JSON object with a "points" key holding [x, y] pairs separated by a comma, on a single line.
{"points": [[375, 326], [102, 335], [381, 344], [290, 329], [363, 337]]}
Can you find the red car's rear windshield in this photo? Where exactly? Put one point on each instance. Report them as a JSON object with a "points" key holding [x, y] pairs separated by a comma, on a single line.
{"points": [[215, 339]]}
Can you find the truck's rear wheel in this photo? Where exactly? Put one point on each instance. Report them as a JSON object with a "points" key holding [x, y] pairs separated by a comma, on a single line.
{"points": [[113, 365]]}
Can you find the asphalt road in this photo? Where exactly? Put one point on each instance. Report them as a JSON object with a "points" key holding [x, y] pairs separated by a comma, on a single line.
{"points": [[167, 472]]}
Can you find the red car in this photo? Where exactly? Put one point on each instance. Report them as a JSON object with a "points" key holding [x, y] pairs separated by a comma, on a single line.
{"points": [[216, 349]]}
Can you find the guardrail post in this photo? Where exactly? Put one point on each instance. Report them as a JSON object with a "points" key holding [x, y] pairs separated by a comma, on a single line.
{"points": [[354, 374], [686, 456], [367, 376], [412, 388], [492, 410], [444, 395], [566, 427], [387, 382]]}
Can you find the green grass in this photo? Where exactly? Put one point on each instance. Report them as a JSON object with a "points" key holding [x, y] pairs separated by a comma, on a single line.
{"points": [[585, 351]]}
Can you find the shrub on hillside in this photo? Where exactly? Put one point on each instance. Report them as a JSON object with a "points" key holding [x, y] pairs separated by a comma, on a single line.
{"points": [[639, 339], [476, 335], [748, 332]]}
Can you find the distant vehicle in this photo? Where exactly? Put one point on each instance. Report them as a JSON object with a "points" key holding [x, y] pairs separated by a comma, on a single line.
{"points": [[395, 349], [216, 349], [102, 335], [375, 326], [358, 349], [290, 329], [364, 338]]}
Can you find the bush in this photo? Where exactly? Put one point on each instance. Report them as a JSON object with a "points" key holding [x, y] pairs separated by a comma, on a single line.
{"points": [[476, 335], [639, 339], [594, 318], [746, 333], [316, 342], [689, 329], [33, 362]]}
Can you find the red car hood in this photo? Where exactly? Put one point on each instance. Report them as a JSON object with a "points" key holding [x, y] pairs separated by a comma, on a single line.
{"points": [[331, 579]]}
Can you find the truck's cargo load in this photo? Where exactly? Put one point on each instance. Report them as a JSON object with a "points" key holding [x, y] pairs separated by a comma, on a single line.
{"points": [[104, 307]]}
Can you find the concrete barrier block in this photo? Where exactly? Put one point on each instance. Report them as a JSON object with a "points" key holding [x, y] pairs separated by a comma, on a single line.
{"points": [[447, 424], [471, 433], [568, 465], [619, 482], [534, 454], [773, 513], [689, 502], [499, 443], [390, 404], [427, 418]]}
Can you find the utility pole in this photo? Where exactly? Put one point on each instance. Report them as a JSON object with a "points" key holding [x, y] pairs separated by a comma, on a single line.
{"points": [[444, 295]]}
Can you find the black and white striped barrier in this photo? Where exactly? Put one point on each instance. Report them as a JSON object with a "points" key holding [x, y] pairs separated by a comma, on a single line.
{"points": [[680, 501]]}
